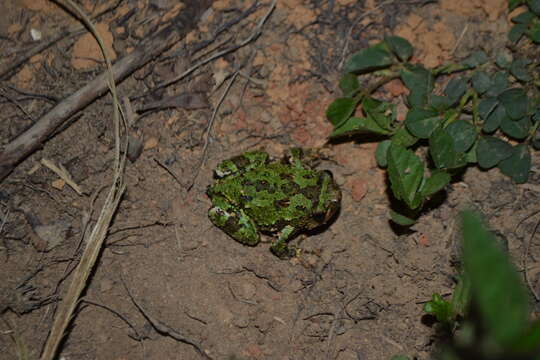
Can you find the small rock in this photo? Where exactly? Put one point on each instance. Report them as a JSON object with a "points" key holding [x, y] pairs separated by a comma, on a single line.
{"points": [[150, 143], [58, 184], [135, 148], [358, 189]]}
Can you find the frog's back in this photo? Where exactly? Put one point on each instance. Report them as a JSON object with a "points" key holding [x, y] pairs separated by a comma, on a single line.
{"points": [[278, 195]]}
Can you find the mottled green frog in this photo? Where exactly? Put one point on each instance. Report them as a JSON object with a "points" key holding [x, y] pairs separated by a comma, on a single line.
{"points": [[254, 194]]}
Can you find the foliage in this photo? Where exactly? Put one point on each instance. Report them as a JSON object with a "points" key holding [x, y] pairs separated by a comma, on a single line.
{"points": [[487, 115], [487, 316]]}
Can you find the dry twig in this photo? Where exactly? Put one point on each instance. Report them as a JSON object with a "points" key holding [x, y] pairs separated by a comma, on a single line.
{"points": [[32, 139]]}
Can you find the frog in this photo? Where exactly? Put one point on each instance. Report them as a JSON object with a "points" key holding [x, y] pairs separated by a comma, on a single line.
{"points": [[254, 194]]}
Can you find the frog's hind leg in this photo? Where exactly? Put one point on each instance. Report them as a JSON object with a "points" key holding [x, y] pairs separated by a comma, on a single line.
{"points": [[280, 247], [235, 223]]}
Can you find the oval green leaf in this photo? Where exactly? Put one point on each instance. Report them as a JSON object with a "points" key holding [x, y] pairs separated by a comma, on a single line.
{"points": [[349, 84], [372, 58], [518, 165], [486, 106], [517, 129], [406, 172], [516, 32], [518, 68], [455, 89], [515, 102], [421, 123], [495, 119], [500, 83], [534, 33], [401, 219], [496, 286], [419, 81], [381, 152], [404, 138], [463, 133], [357, 125], [438, 180], [340, 110], [442, 151], [490, 151], [534, 6], [481, 81], [399, 46]]}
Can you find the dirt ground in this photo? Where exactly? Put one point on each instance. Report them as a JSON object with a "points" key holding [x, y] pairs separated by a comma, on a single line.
{"points": [[357, 289]]}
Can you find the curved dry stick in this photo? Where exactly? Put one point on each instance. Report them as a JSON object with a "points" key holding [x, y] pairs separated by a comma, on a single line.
{"points": [[33, 138]]}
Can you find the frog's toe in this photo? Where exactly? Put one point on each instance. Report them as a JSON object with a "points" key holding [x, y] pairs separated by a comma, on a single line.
{"points": [[282, 250]]}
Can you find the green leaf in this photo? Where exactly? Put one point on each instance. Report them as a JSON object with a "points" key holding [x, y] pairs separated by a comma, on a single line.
{"points": [[534, 33], [340, 110], [486, 106], [349, 84], [437, 181], [518, 165], [455, 89], [481, 81], [406, 172], [372, 58], [504, 60], [495, 283], [419, 81], [515, 102], [534, 5], [475, 59], [441, 309], [517, 129], [381, 152], [512, 4], [470, 156], [524, 18], [500, 83], [399, 46], [490, 151], [530, 341], [463, 133], [421, 123], [495, 119], [440, 103], [536, 144], [442, 151], [400, 357], [401, 219], [404, 138], [357, 125], [516, 32], [518, 68], [536, 115], [380, 111], [461, 298]]}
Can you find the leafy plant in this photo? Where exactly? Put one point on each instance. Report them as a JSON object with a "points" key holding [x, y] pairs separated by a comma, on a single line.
{"points": [[526, 23], [488, 115], [488, 314]]}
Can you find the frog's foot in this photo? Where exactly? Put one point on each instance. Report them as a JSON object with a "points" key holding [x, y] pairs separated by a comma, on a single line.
{"points": [[280, 247], [302, 158], [282, 250], [236, 224]]}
